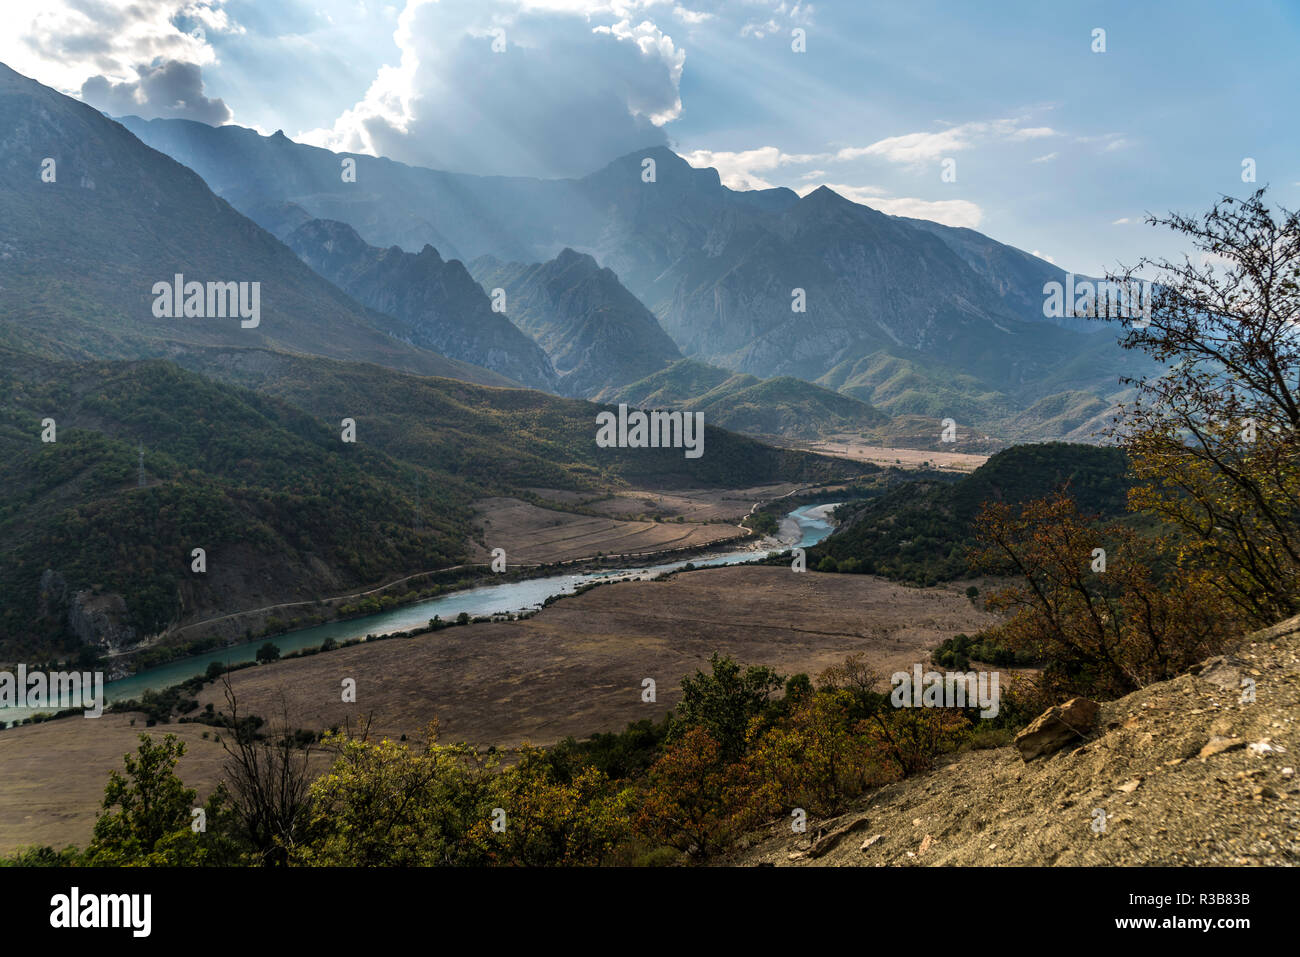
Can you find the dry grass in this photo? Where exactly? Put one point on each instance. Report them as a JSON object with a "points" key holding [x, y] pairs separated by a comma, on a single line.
{"points": [[573, 669], [532, 535], [902, 458]]}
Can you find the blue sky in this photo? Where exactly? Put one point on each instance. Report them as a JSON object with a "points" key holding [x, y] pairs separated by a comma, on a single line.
{"points": [[1055, 148]]}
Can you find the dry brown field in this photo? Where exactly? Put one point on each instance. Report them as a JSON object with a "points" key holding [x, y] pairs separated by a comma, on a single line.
{"points": [[575, 668]]}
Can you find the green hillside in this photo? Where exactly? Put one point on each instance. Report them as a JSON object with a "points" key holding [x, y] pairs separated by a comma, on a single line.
{"points": [[260, 478], [783, 406], [921, 531]]}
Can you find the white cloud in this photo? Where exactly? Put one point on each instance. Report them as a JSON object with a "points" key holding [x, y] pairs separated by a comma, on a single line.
{"points": [[1106, 141], [451, 102], [740, 170], [1045, 257], [692, 17], [757, 30], [1045, 158], [950, 212], [912, 147], [1032, 133], [919, 148], [653, 43], [169, 89], [143, 54], [1120, 222]]}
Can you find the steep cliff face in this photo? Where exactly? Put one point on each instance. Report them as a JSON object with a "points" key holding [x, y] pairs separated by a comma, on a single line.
{"points": [[100, 620], [598, 335], [436, 303]]}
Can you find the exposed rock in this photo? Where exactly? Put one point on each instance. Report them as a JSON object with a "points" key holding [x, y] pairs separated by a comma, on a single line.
{"points": [[1218, 745], [833, 837], [53, 594], [101, 620], [596, 333], [1221, 670], [434, 303], [1057, 727], [987, 806]]}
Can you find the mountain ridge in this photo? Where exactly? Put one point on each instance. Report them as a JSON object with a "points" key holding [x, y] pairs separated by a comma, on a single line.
{"points": [[436, 301], [81, 253], [597, 334], [718, 268]]}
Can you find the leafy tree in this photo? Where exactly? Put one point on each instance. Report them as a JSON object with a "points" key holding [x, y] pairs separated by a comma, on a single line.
{"points": [[267, 653], [797, 688], [43, 856], [816, 758], [147, 817], [385, 804], [693, 797], [724, 702], [1214, 439], [1102, 630], [911, 738], [552, 822]]}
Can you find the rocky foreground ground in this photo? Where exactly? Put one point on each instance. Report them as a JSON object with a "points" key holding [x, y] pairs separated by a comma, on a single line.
{"points": [[1186, 772]]}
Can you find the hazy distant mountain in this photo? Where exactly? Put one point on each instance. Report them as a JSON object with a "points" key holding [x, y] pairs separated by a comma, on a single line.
{"points": [[719, 268], [438, 304], [388, 203], [597, 334], [745, 403], [85, 237], [1016, 276], [826, 280]]}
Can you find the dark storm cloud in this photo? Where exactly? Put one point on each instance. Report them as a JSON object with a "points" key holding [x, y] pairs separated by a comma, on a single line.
{"points": [[168, 88]]}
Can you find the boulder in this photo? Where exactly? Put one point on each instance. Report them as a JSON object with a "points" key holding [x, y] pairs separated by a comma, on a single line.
{"points": [[1057, 727]]}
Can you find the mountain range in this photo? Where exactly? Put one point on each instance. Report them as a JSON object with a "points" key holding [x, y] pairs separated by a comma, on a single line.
{"points": [[783, 406], [910, 316], [132, 432], [597, 334], [437, 303], [91, 221]]}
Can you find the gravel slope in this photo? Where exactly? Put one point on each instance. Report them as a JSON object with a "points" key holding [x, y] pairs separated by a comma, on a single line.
{"points": [[1185, 772]]}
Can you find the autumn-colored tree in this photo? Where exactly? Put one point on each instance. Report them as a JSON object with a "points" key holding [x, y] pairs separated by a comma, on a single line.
{"points": [[1214, 437], [860, 680], [902, 740], [385, 803], [910, 739], [724, 702], [816, 758], [693, 801], [1087, 603], [545, 821]]}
